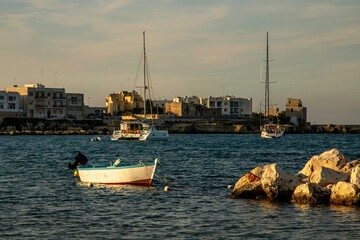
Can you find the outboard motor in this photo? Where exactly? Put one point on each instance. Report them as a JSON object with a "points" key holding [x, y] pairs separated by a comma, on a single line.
{"points": [[80, 159]]}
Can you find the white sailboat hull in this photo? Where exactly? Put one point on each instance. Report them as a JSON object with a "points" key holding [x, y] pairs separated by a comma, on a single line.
{"points": [[154, 135], [272, 131], [140, 174]]}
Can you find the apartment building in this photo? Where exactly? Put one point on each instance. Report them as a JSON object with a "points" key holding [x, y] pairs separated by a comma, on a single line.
{"points": [[75, 106], [10, 104], [231, 106], [37, 101]]}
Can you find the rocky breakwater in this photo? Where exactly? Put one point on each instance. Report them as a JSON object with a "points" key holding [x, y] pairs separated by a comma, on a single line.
{"points": [[326, 178]]}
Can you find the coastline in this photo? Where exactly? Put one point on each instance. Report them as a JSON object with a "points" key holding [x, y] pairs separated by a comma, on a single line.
{"points": [[178, 127]]}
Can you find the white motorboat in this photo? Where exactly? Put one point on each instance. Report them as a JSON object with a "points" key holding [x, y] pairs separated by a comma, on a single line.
{"points": [[139, 174]]}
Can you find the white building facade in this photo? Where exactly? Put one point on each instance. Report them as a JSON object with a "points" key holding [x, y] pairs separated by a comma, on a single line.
{"points": [[10, 102], [231, 106]]}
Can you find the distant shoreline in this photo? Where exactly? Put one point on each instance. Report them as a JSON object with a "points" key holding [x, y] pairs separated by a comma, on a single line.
{"points": [[200, 129], [18, 126]]}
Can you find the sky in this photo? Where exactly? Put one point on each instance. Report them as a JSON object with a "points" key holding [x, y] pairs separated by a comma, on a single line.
{"points": [[194, 48]]}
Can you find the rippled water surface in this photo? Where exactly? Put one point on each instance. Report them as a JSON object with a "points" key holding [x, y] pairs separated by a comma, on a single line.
{"points": [[40, 198]]}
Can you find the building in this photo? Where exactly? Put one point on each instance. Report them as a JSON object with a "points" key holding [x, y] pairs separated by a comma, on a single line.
{"points": [[75, 106], [116, 103], [22, 91], [183, 109], [37, 101], [45, 102], [296, 112], [10, 104], [231, 106], [94, 113], [186, 99]]}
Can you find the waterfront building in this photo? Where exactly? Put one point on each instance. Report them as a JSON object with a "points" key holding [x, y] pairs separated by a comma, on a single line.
{"points": [[75, 106], [296, 112], [40, 102], [94, 113], [9, 104], [116, 103], [194, 100], [37, 101], [183, 109], [231, 106]]}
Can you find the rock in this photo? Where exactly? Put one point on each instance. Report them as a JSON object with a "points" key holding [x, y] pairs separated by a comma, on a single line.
{"points": [[355, 176], [309, 193], [324, 176], [332, 159], [277, 184], [345, 193], [349, 166], [249, 186]]}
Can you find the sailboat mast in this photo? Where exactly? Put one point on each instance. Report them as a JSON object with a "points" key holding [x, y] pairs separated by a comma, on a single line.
{"points": [[144, 75], [267, 82]]}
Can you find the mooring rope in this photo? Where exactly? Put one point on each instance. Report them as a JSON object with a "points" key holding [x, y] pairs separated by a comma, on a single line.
{"points": [[165, 180]]}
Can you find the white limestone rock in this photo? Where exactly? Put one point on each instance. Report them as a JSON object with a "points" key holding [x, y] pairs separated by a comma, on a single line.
{"points": [[309, 193], [277, 184], [355, 176], [345, 193], [249, 186], [324, 176], [332, 159]]}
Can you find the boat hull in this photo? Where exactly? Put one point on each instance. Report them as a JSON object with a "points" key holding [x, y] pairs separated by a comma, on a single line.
{"points": [[272, 131], [154, 135], [140, 174], [271, 135]]}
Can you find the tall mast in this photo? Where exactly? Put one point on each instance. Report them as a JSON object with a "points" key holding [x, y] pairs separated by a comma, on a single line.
{"points": [[267, 82], [144, 75]]}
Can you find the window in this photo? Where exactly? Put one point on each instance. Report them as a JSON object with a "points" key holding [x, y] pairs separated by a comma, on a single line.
{"points": [[1, 97], [12, 98], [11, 105]]}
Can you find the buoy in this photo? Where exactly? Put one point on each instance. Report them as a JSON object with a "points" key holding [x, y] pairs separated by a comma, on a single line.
{"points": [[166, 188], [76, 173], [229, 187], [90, 185]]}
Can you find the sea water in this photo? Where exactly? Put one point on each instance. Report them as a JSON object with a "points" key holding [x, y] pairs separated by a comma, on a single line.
{"points": [[41, 199]]}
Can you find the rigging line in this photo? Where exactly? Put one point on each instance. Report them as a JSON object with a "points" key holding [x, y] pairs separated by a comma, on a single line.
{"points": [[138, 70]]}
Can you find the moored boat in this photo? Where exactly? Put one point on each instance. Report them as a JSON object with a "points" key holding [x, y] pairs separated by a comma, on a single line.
{"points": [[153, 134], [269, 130], [142, 129], [141, 174], [272, 131], [128, 130]]}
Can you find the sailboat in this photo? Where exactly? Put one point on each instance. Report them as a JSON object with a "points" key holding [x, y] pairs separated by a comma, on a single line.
{"points": [[141, 129], [150, 131], [269, 130]]}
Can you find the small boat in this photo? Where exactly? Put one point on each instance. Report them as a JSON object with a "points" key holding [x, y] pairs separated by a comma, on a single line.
{"points": [[95, 139], [272, 131], [140, 174]]}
